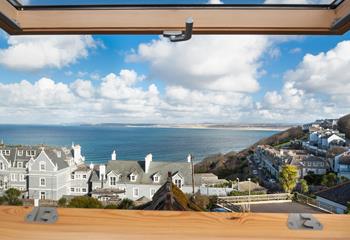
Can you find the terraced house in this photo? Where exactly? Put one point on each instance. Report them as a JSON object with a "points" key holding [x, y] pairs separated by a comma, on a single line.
{"points": [[41, 171], [138, 179]]}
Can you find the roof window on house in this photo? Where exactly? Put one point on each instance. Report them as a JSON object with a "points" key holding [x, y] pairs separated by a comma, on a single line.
{"points": [[7, 152], [133, 177], [156, 178], [20, 153], [42, 166], [30, 153]]}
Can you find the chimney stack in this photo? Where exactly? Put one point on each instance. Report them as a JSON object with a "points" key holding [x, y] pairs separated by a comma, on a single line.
{"points": [[148, 160], [114, 156]]}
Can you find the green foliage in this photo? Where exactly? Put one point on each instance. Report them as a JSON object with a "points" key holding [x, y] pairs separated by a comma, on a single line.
{"points": [[313, 179], [2, 200], [303, 186], [84, 202], [238, 193], [348, 208], [288, 178], [12, 197], [62, 202], [126, 204], [329, 180], [111, 206]]}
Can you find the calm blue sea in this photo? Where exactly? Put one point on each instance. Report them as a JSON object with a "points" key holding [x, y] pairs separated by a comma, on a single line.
{"points": [[133, 143]]}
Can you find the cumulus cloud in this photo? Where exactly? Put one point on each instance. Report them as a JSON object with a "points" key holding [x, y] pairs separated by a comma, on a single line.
{"points": [[318, 87], [218, 63], [37, 52]]}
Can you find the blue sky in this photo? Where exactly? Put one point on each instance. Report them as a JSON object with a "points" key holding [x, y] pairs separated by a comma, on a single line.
{"points": [[146, 79]]}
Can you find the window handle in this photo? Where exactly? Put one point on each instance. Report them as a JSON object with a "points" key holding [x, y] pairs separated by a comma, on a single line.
{"points": [[179, 36]]}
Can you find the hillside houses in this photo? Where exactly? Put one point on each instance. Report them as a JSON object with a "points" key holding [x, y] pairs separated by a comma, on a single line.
{"points": [[273, 161], [41, 172], [136, 179], [45, 172]]}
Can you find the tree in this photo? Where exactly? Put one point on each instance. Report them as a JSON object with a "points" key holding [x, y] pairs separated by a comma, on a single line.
{"points": [[84, 202], [303, 186], [126, 204], [62, 202], [329, 180], [288, 178], [12, 197]]}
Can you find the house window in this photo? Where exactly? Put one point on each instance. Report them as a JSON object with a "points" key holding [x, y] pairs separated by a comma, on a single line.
{"points": [[7, 152], [20, 165], [156, 179], [1, 184], [42, 195], [21, 178], [152, 192], [30, 153], [113, 181], [78, 176], [84, 176], [178, 183], [78, 190], [42, 166], [135, 192], [72, 189], [2, 166], [13, 177], [133, 177], [42, 182], [20, 153], [72, 176], [84, 190]]}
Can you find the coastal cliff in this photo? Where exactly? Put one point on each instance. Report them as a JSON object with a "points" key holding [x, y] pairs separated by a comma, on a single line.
{"points": [[234, 164]]}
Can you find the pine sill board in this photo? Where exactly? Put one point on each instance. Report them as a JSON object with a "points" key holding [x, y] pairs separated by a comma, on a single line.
{"points": [[86, 224]]}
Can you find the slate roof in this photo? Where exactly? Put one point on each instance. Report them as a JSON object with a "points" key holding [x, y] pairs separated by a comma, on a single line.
{"points": [[126, 167], [339, 194], [345, 158], [58, 155]]}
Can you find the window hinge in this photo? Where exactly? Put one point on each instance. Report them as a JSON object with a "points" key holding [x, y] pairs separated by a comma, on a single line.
{"points": [[46, 215], [303, 221]]}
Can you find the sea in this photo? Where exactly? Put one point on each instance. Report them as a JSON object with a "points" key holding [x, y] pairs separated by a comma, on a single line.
{"points": [[134, 143]]}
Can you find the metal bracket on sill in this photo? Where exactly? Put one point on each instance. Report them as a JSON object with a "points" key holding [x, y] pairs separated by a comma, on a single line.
{"points": [[179, 36], [47, 215], [303, 221]]}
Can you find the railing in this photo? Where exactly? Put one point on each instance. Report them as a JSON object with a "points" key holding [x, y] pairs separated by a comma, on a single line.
{"points": [[255, 198], [314, 203]]}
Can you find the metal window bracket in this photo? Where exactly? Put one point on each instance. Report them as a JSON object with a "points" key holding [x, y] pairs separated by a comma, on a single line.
{"points": [[303, 221], [47, 215], [179, 36]]}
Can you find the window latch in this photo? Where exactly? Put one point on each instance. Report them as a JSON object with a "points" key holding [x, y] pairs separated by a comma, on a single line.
{"points": [[47, 215], [303, 221], [179, 36]]}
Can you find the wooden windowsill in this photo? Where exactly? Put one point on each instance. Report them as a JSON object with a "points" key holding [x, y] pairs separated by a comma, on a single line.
{"points": [[84, 224]]}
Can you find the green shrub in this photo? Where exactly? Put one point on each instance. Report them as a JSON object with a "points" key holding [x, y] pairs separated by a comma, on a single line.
{"points": [[2, 200], [111, 206], [126, 204], [12, 197], [84, 202], [62, 202]]}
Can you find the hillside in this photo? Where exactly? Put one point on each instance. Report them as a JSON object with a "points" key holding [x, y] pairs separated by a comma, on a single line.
{"points": [[234, 164], [344, 125]]}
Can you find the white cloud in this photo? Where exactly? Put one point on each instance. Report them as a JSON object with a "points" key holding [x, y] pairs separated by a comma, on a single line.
{"points": [[217, 63], [37, 52], [83, 88], [326, 73], [295, 50], [215, 2]]}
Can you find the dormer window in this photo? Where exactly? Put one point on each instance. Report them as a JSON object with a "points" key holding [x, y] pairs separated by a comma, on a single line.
{"points": [[20, 165], [20, 153], [133, 177], [156, 178], [7, 152], [30, 153], [113, 181]]}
